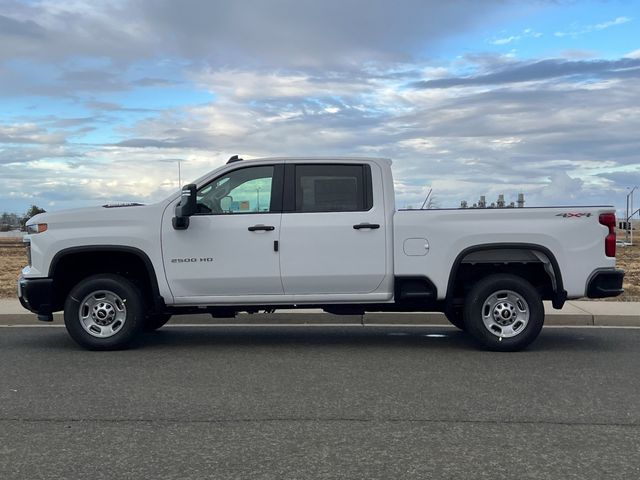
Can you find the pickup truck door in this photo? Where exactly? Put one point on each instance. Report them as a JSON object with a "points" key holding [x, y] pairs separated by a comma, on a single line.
{"points": [[230, 247], [332, 232]]}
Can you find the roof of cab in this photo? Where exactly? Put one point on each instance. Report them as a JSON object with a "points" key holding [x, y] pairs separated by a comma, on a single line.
{"points": [[386, 161]]}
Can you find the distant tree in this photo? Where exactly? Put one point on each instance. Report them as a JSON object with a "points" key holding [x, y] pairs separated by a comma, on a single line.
{"points": [[32, 212]]}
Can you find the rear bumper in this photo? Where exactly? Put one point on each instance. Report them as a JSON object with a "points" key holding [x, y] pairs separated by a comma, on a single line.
{"points": [[36, 295], [605, 283]]}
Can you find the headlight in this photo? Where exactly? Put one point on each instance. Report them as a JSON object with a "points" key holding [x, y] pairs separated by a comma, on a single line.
{"points": [[36, 228]]}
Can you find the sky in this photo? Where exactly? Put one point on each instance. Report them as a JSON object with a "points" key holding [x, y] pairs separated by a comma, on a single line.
{"points": [[100, 100]]}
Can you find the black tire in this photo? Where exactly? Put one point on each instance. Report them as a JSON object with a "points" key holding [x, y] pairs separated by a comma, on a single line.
{"points": [[456, 317], [123, 298], [156, 321], [488, 300]]}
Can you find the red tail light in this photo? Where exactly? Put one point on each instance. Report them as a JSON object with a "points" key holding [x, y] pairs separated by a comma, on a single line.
{"points": [[609, 220]]}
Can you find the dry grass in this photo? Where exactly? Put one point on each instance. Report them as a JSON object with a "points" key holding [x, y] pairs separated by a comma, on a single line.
{"points": [[628, 258], [12, 260]]}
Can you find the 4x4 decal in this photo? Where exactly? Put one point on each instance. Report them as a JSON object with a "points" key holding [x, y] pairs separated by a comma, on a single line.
{"points": [[573, 215]]}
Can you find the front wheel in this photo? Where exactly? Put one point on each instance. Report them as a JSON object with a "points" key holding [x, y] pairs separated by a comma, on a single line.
{"points": [[504, 312], [104, 312]]}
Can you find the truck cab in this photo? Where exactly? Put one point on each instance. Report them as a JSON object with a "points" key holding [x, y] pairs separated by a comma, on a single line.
{"points": [[306, 230]]}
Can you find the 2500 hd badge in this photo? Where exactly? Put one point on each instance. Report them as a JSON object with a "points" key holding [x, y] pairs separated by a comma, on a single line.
{"points": [[192, 260]]}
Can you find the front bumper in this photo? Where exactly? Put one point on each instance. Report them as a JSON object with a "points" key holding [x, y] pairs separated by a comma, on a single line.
{"points": [[36, 295], [605, 283]]}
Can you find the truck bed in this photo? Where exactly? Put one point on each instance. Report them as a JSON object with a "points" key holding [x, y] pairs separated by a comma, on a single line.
{"points": [[568, 232]]}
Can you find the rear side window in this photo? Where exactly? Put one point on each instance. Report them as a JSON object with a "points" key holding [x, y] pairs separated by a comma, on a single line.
{"points": [[332, 188]]}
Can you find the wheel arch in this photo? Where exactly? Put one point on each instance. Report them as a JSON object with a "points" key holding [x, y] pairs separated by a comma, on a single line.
{"points": [[559, 293], [72, 255]]}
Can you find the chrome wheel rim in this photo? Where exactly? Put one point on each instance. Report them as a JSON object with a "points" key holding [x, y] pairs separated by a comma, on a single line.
{"points": [[102, 313], [505, 313]]}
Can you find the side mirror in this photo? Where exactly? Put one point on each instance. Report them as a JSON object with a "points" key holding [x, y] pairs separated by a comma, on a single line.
{"points": [[186, 207]]}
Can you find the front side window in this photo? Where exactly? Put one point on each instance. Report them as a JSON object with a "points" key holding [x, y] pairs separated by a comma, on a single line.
{"points": [[246, 190], [331, 188]]}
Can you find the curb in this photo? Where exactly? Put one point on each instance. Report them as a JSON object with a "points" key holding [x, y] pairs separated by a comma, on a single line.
{"points": [[574, 313], [369, 319]]}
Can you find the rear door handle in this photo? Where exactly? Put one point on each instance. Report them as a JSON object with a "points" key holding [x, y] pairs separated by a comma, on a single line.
{"points": [[266, 228], [372, 226]]}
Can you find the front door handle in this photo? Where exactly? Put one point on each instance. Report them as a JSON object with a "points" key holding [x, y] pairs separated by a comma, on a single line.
{"points": [[372, 226], [266, 228]]}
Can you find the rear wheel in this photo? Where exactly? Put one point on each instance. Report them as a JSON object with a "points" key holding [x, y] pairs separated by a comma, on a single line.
{"points": [[104, 312], [504, 312]]}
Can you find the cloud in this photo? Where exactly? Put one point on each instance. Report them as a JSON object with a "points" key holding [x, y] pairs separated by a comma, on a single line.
{"points": [[301, 77], [21, 155], [154, 82], [505, 40], [562, 188], [611, 23], [28, 133], [517, 72], [20, 29], [233, 33], [454, 140], [151, 143], [526, 33], [634, 54], [577, 31]]}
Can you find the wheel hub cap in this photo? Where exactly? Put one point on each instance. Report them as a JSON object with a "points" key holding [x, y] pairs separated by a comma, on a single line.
{"points": [[102, 313], [505, 313]]}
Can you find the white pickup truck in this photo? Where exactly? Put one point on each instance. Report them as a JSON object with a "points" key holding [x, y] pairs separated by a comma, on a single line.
{"points": [[324, 233]]}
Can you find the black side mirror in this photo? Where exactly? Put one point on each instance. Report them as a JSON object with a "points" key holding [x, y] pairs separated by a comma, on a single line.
{"points": [[186, 207]]}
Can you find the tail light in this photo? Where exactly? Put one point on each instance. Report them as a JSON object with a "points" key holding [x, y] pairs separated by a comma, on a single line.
{"points": [[609, 220]]}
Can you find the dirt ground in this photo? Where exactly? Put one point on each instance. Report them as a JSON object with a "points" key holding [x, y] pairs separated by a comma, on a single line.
{"points": [[628, 258], [12, 260]]}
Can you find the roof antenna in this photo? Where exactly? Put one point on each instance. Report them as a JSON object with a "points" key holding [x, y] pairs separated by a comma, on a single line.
{"points": [[235, 158], [426, 199]]}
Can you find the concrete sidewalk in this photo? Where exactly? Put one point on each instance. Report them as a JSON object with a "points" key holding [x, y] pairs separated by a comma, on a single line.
{"points": [[575, 312]]}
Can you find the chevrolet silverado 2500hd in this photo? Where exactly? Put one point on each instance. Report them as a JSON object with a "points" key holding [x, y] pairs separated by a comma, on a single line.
{"points": [[312, 233]]}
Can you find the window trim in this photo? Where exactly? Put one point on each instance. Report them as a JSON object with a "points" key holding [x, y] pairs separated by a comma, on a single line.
{"points": [[277, 189], [290, 187]]}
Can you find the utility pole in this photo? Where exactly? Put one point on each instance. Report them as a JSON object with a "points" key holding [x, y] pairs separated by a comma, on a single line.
{"points": [[628, 225], [630, 220], [626, 216]]}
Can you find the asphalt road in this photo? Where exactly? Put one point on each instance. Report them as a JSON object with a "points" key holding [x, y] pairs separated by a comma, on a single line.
{"points": [[320, 402]]}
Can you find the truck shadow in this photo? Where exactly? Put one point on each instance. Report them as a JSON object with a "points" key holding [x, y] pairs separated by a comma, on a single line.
{"points": [[430, 337], [303, 336]]}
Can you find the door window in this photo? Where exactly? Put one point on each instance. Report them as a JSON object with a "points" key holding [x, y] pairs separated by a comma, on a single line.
{"points": [[332, 188], [246, 190]]}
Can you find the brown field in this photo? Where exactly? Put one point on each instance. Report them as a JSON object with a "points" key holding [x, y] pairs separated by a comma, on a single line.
{"points": [[628, 258], [13, 259]]}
